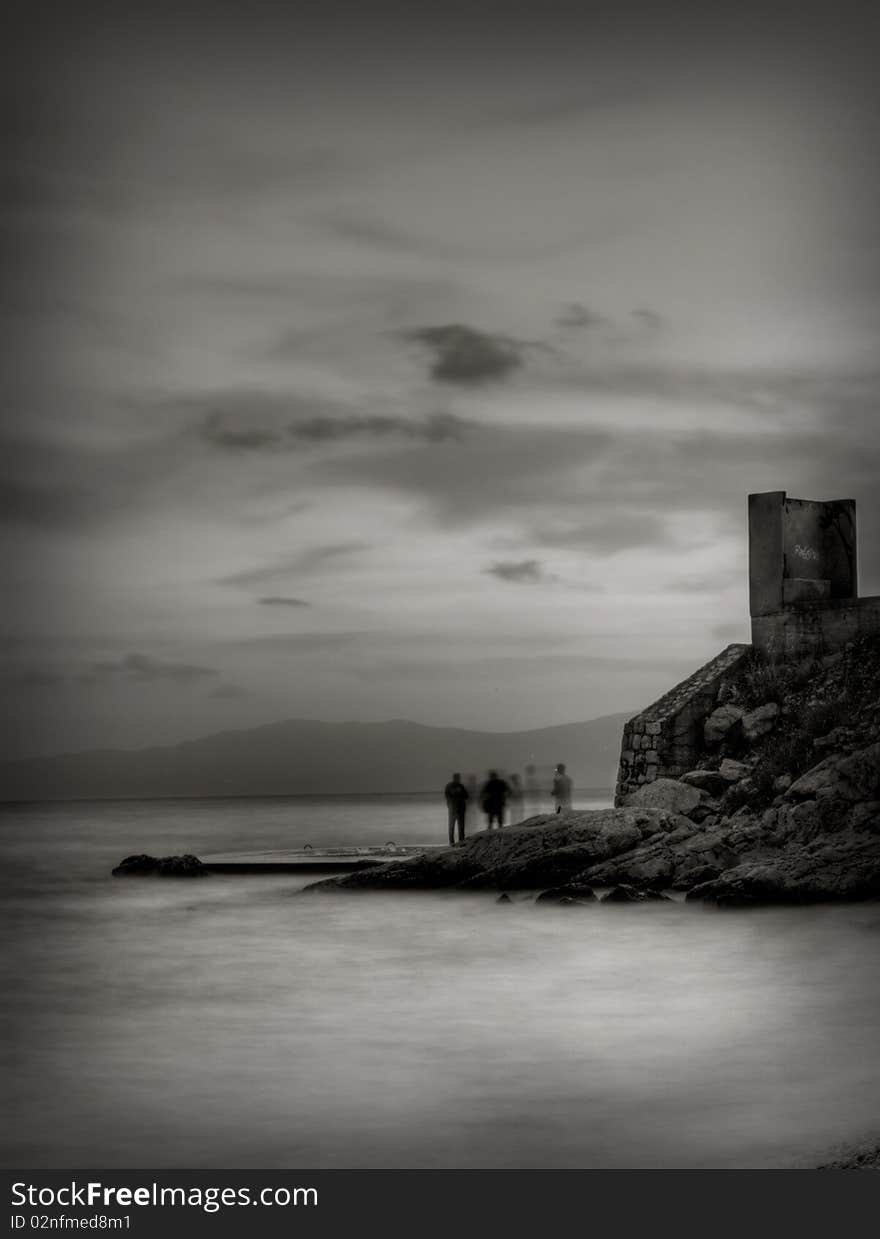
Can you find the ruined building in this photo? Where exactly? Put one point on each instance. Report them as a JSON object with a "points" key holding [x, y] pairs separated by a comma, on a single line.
{"points": [[804, 603]]}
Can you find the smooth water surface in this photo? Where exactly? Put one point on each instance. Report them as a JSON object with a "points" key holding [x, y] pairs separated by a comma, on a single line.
{"points": [[234, 1022]]}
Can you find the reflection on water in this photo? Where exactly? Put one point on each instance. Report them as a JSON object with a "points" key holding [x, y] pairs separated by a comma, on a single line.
{"points": [[234, 1022]]}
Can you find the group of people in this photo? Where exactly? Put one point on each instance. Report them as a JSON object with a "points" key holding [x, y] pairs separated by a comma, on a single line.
{"points": [[500, 797]]}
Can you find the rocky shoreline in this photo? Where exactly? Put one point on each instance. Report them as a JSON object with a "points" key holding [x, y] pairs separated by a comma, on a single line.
{"points": [[783, 806]]}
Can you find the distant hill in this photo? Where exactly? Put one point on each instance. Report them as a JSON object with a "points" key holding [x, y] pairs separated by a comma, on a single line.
{"points": [[301, 756]]}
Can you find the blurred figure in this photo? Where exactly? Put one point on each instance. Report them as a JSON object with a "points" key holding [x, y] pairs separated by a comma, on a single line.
{"points": [[516, 799], [532, 792], [493, 798], [456, 796], [561, 789]]}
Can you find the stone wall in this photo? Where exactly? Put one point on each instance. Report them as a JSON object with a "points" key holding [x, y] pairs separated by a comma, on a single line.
{"points": [[812, 629], [666, 739]]}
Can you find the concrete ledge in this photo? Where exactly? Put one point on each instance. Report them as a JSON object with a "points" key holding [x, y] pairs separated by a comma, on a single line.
{"points": [[812, 628]]}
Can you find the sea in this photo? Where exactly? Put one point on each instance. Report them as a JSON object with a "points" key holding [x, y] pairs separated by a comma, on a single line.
{"points": [[236, 1022]]}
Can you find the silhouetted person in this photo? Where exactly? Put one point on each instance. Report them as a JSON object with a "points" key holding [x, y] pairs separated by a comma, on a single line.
{"points": [[561, 789], [516, 799], [493, 798], [456, 802]]}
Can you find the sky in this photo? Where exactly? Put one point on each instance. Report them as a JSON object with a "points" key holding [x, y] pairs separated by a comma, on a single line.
{"points": [[410, 362]]}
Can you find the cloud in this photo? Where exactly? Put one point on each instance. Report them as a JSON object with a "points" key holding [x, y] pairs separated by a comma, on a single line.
{"points": [[310, 560], [435, 428], [24, 503], [257, 421], [142, 669], [239, 433], [277, 601], [699, 584], [467, 356], [37, 677], [608, 532], [649, 318], [300, 642], [377, 234], [576, 315], [525, 571], [228, 692]]}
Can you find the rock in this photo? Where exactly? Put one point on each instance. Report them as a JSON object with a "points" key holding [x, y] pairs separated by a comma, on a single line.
{"points": [[142, 865], [845, 776], [701, 813], [187, 866], [720, 722], [760, 722], [706, 780], [629, 894], [667, 794], [547, 852], [834, 739], [137, 866], [693, 877], [740, 890], [845, 865], [568, 894], [732, 771], [867, 816], [504, 898], [782, 783]]}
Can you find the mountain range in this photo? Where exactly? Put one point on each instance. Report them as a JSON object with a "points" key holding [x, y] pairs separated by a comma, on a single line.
{"points": [[303, 756]]}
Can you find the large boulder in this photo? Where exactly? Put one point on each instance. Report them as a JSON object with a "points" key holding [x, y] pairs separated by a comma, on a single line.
{"points": [[845, 776], [547, 852], [705, 780], [720, 723], [630, 894], [732, 771], [827, 868], [187, 866], [575, 892], [668, 794], [760, 722], [142, 865]]}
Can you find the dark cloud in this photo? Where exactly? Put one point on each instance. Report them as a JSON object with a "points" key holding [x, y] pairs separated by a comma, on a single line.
{"points": [[235, 432], [278, 601], [609, 531], [379, 235], [433, 429], [37, 677], [63, 485], [300, 642], [649, 318], [469, 357], [251, 422], [576, 315], [524, 571], [309, 560], [143, 669], [24, 503], [503, 469]]}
